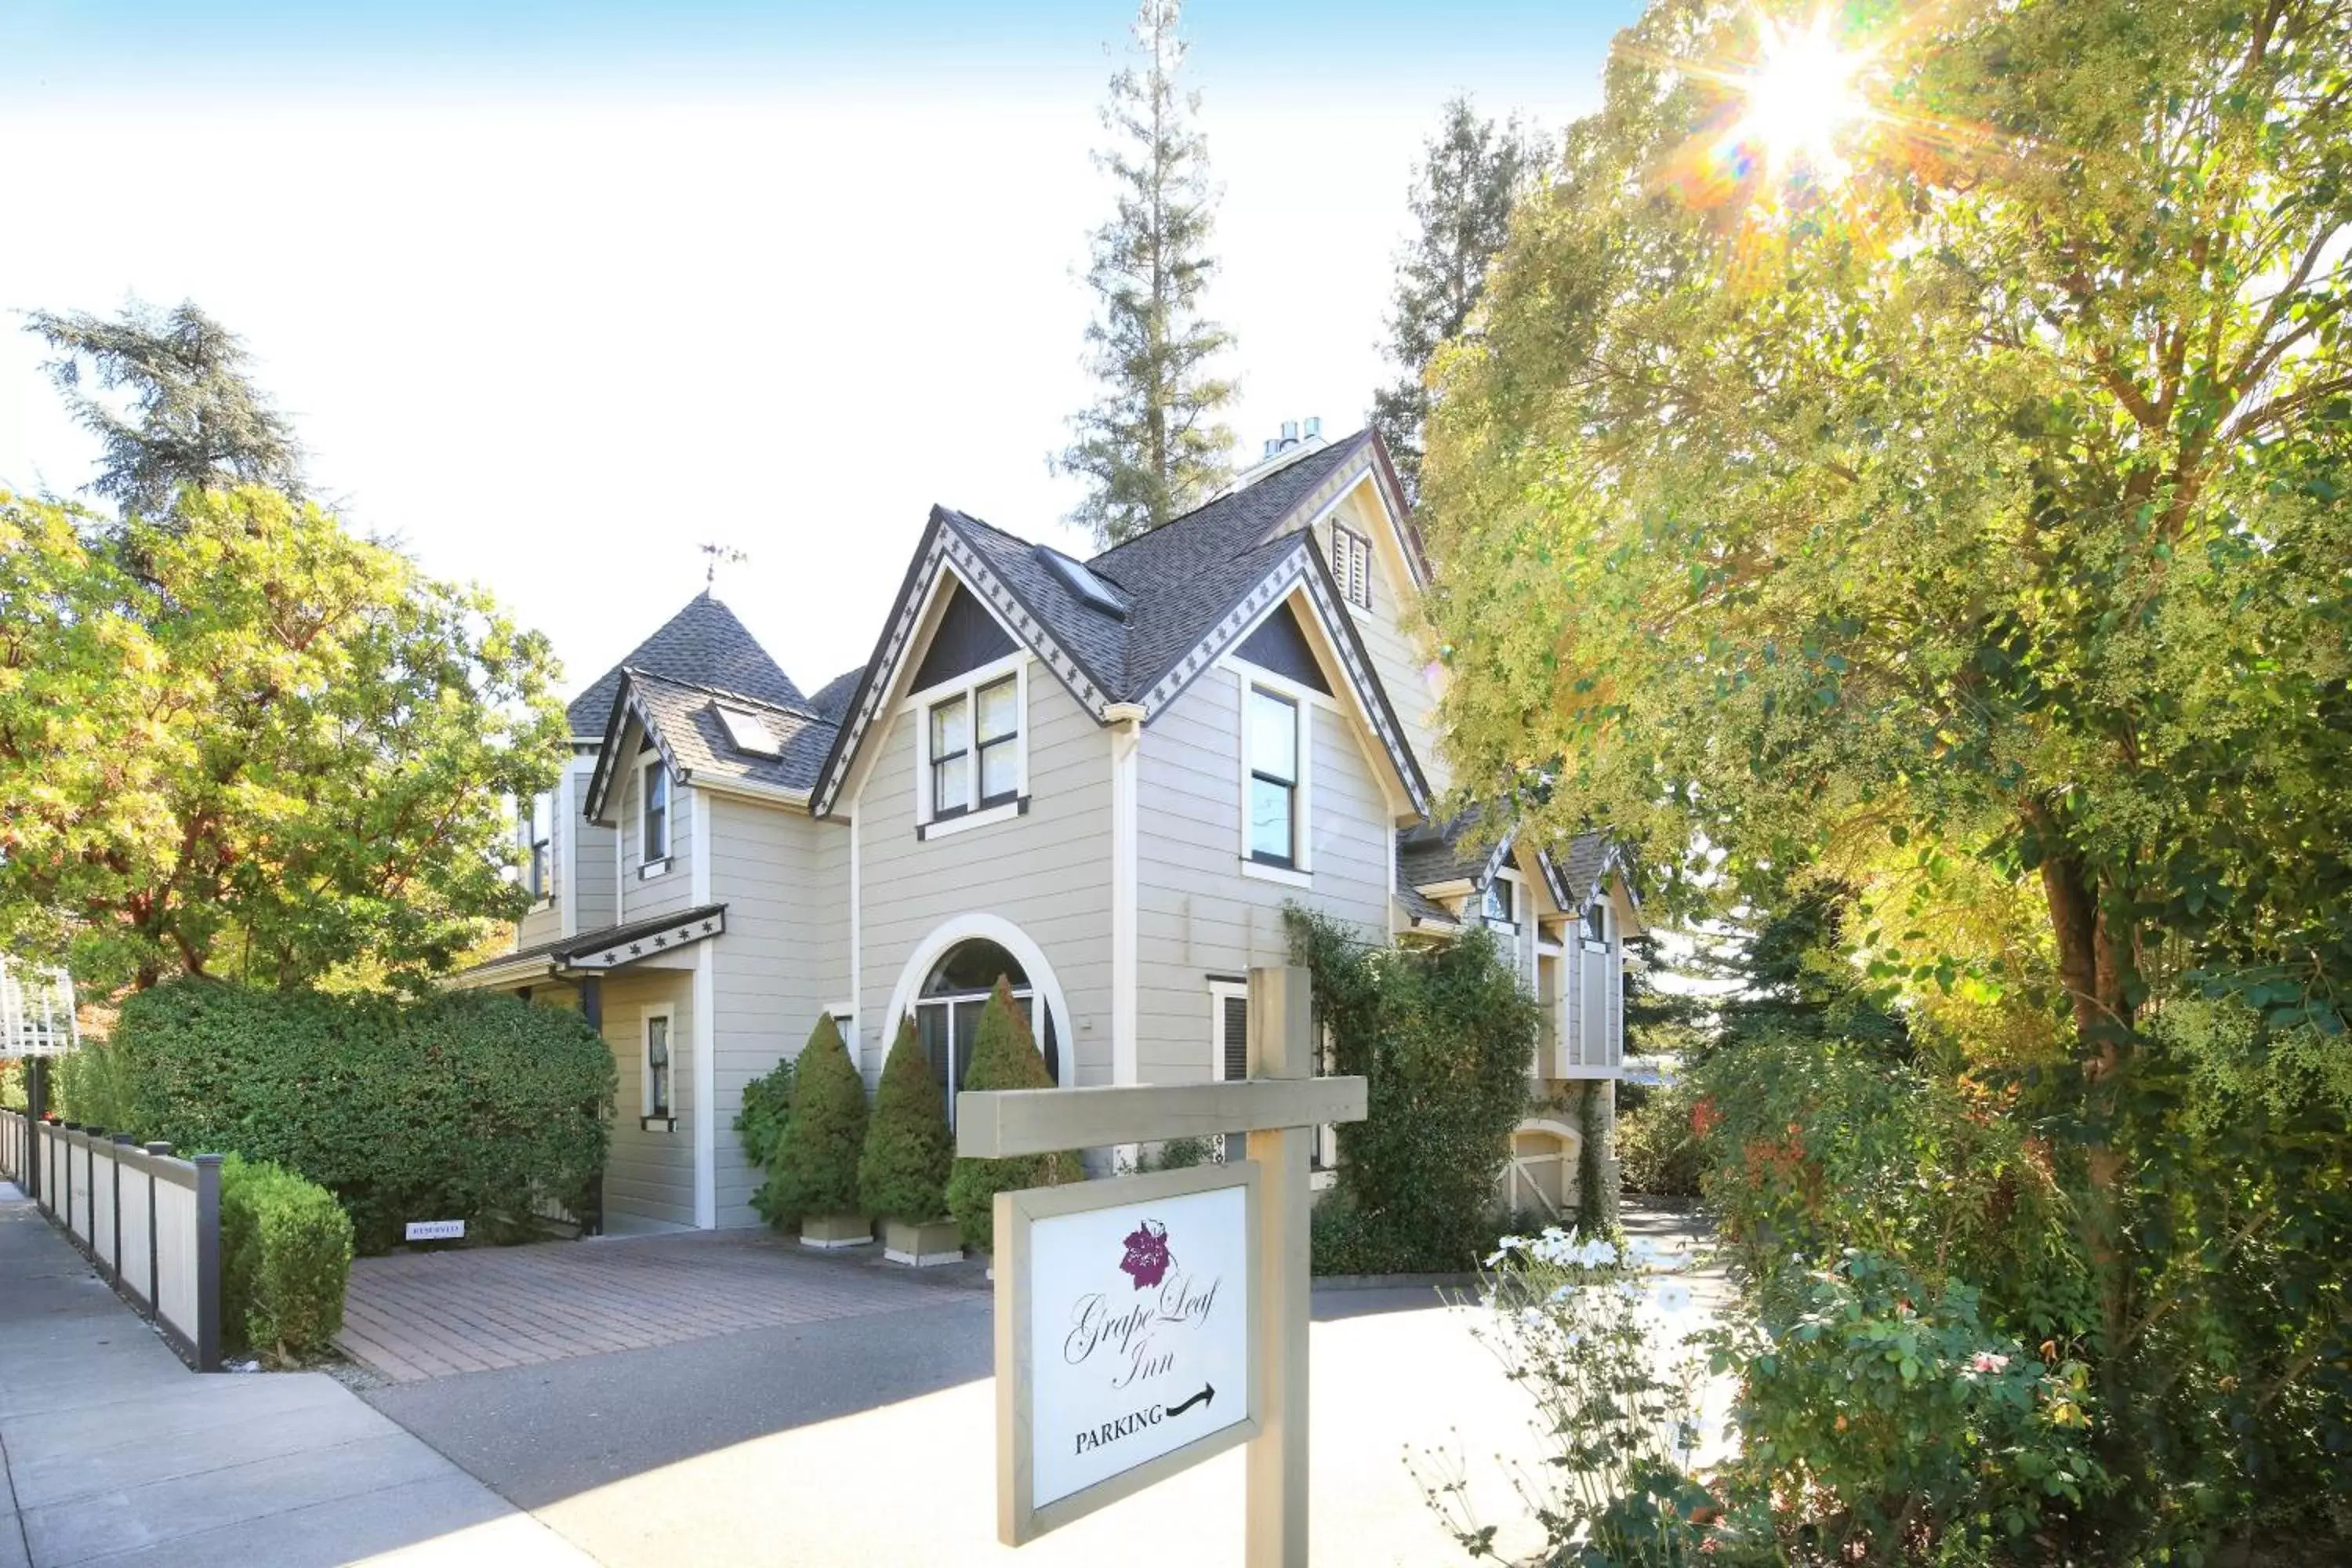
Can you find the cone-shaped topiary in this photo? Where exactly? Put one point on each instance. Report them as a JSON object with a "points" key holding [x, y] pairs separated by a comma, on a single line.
{"points": [[1004, 1057], [815, 1168], [903, 1173]]}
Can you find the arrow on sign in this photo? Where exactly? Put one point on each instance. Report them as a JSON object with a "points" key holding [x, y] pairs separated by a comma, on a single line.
{"points": [[1208, 1393]]}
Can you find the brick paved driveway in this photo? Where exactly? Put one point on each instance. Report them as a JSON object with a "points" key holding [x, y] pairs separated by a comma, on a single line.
{"points": [[420, 1315]]}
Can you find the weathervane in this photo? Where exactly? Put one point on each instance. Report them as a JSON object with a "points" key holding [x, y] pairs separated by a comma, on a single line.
{"points": [[720, 554]]}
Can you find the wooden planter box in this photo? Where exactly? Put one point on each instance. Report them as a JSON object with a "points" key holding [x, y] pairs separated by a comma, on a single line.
{"points": [[831, 1230], [921, 1245]]}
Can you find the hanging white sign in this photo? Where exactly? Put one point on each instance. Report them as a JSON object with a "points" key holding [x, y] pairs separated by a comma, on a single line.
{"points": [[1130, 1309]]}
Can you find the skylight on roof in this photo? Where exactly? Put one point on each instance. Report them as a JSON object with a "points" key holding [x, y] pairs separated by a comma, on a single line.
{"points": [[749, 732], [1090, 589]]}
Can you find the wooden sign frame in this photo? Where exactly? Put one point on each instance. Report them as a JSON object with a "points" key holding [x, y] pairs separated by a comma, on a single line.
{"points": [[1019, 1520]]}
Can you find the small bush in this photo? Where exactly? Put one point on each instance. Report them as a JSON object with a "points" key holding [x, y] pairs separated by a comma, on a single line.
{"points": [[1004, 1056], [815, 1169], [1658, 1150], [767, 1101], [286, 1253], [1893, 1419], [910, 1154]]}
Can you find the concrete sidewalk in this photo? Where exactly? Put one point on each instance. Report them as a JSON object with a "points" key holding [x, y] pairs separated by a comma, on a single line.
{"points": [[113, 1452]]}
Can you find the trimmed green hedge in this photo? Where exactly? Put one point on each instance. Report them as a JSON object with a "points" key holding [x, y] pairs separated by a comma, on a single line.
{"points": [[1004, 1056], [815, 1168], [909, 1153], [463, 1106], [286, 1252]]}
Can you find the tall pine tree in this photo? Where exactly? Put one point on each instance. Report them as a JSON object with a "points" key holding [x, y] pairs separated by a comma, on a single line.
{"points": [[1473, 171], [196, 417], [1150, 445]]}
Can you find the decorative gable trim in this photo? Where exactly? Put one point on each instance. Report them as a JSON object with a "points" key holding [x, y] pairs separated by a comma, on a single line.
{"points": [[1302, 565], [943, 549], [628, 705]]}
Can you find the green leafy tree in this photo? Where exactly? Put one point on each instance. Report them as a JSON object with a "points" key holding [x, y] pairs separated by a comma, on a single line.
{"points": [[1944, 497], [1472, 173], [1004, 1056], [195, 419], [238, 739], [909, 1152], [814, 1171], [1151, 446]]}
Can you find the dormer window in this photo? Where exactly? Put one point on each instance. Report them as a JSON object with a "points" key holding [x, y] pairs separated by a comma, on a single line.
{"points": [[1351, 565], [971, 766], [654, 826]]}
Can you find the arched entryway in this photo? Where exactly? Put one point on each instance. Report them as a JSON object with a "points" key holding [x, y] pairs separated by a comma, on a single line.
{"points": [[947, 983]]}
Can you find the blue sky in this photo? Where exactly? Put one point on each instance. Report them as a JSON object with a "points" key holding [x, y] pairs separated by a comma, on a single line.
{"points": [[556, 291]]}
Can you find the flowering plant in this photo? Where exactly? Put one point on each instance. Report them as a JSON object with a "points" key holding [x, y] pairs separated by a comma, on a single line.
{"points": [[1579, 1322]]}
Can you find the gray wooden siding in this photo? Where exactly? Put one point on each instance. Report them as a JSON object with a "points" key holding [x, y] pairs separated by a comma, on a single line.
{"points": [[643, 899], [650, 1176], [1197, 915], [784, 879], [1047, 872]]}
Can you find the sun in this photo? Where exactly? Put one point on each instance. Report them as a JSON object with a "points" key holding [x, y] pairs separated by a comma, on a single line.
{"points": [[1801, 96]]}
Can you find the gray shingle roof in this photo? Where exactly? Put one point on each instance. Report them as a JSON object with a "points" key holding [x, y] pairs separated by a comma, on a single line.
{"points": [[1453, 851], [686, 717], [702, 645], [831, 700], [1581, 864]]}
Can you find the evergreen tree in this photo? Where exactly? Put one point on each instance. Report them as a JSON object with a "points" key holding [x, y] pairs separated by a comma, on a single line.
{"points": [[1004, 1056], [1473, 172], [815, 1169], [194, 417], [909, 1152], [1150, 446]]}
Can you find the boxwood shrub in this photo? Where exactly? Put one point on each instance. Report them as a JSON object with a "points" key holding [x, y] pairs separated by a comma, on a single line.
{"points": [[286, 1252], [465, 1106]]}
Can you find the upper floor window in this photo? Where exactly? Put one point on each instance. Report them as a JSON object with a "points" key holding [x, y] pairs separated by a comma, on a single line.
{"points": [[971, 747], [1500, 903], [535, 831], [1351, 565], [1271, 745], [656, 825]]}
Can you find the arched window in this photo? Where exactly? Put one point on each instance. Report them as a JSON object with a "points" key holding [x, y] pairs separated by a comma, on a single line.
{"points": [[948, 1008]]}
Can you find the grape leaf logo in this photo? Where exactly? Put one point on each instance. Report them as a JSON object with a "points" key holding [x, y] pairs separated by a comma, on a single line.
{"points": [[1147, 1260]]}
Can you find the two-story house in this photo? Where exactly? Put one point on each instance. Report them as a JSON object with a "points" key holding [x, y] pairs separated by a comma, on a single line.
{"points": [[1102, 780]]}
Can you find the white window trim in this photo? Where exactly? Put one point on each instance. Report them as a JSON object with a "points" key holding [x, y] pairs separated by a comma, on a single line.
{"points": [[1300, 873], [649, 865], [1519, 886], [919, 705], [668, 1013]]}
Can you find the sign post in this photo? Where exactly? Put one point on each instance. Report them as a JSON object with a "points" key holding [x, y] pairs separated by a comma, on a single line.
{"points": [[1148, 1322]]}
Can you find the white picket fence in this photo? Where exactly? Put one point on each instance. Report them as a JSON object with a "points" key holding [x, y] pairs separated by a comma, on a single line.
{"points": [[149, 1222]]}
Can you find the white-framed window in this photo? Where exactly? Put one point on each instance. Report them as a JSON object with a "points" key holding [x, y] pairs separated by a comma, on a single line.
{"points": [[1499, 905], [1271, 748], [1351, 565], [1228, 1052], [657, 1103], [535, 832], [972, 737], [654, 823]]}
